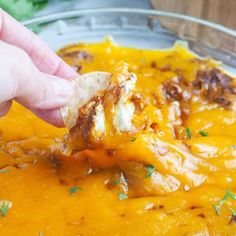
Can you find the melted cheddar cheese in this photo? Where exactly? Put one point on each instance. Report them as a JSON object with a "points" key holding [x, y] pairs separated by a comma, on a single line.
{"points": [[128, 190]]}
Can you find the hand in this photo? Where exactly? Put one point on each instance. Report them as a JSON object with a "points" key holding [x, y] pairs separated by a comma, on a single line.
{"points": [[31, 73]]}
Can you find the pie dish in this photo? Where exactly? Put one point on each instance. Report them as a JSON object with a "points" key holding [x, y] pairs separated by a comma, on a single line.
{"points": [[60, 183]]}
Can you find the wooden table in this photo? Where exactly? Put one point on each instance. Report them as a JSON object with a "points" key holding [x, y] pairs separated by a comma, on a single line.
{"points": [[219, 11]]}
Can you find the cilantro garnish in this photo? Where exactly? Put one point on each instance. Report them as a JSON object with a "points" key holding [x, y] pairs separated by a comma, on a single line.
{"points": [[74, 189], [4, 171], [132, 139], [188, 133], [203, 133], [232, 211], [40, 234], [122, 196], [4, 208], [116, 182], [228, 195], [217, 209], [233, 215], [150, 170]]}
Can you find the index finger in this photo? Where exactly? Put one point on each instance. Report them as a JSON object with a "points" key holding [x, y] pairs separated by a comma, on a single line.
{"points": [[43, 57]]}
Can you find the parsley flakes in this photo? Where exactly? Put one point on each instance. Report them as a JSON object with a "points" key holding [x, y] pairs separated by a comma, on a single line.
{"points": [[232, 211], [4, 208], [217, 209], [74, 189], [228, 195], [188, 133], [122, 196], [233, 215], [132, 139], [116, 182], [203, 133], [150, 170], [4, 171]]}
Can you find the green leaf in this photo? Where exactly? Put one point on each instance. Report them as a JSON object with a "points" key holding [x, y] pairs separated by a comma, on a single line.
{"points": [[150, 171], [74, 189], [188, 133], [132, 139], [4, 171], [217, 209], [4, 208], [233, 146], [40, 233], [229, 195], [122, 196], [232, 211], [203, 133], [116, 182]]}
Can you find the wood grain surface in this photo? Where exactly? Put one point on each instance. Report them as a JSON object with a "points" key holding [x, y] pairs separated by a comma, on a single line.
{"points": [[219, 11]]}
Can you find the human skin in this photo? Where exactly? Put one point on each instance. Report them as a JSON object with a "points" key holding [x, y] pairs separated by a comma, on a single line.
{"points": [[31, 73]]}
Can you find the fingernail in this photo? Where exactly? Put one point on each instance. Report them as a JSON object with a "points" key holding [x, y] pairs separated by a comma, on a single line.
{"points": [[51, 116]]}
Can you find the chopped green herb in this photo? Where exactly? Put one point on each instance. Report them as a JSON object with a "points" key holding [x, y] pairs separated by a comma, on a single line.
{"points": [[188, 133], [233, 215], [4, 208], [232, 211], [150, 170], [40, 234], [217, 209], [132, 139], [122, 196], [74, 189], [233, 146], [203, 133], [4, 171], [116, 182], [228, 195]]}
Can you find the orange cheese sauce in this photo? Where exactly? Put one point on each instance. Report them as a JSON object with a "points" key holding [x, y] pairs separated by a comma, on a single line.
{"points": [[38, 185]]}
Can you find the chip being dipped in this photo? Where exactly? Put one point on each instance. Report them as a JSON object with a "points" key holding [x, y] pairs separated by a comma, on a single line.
{"points": [[101, 104], [84, 88]]}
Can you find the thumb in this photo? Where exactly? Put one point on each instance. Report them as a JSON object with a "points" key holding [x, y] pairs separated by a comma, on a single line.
{"points": [[41, 93], [44, 94], [37, 90]]}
